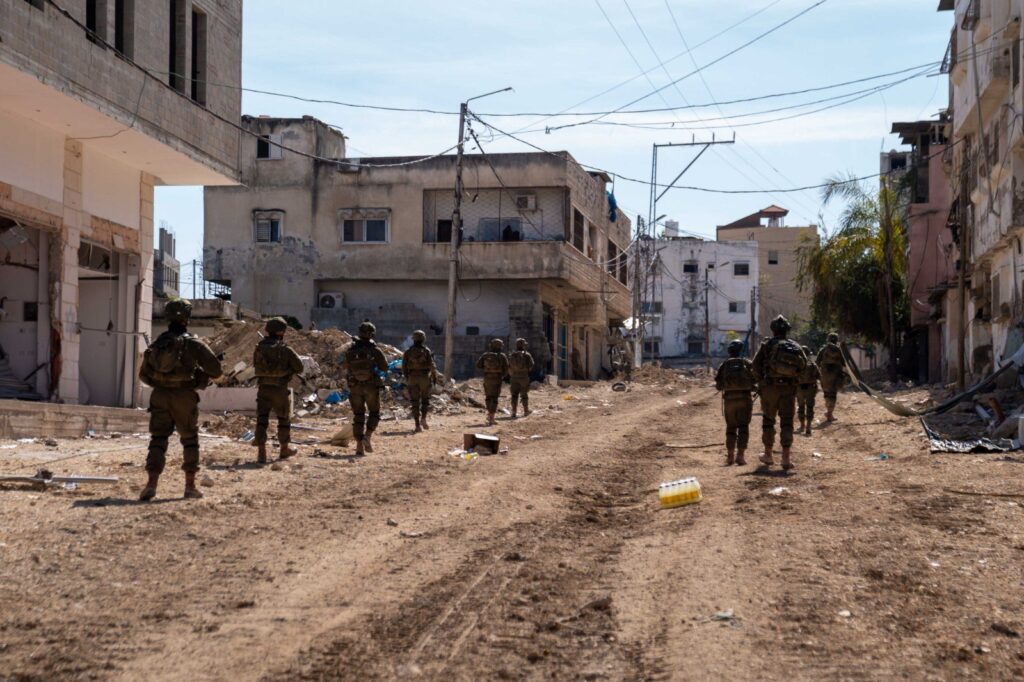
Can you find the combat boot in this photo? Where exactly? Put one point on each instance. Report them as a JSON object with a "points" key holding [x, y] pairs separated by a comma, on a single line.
{"points": [[786, 463], [417, 429], [490, 419], [803, 425], [807, 431], [360, 449], [367, 443], [423, 422], [515, 410], [261, 455], [191, 491], [766, 457], [829, 417], [287, 452], [526, 409], [730, 457], [149, 492], [740, 461]]}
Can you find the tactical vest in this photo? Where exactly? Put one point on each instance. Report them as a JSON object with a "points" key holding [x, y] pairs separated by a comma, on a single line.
{"points": [[271, 360], [737, 375], [492, 363], [169, 362], [520, 363], [832, 357], [808, 376], [361, 361], [417, 359], [786, 359]]}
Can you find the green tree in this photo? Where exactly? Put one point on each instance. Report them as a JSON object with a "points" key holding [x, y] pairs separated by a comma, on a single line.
{"points": [[857, 273]]}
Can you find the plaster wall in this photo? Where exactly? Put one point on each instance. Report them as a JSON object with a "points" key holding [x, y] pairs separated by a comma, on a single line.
{"points": [[110, 189], [31, 156]]}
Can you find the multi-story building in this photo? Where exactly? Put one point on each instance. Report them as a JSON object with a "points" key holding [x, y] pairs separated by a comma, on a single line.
{"points": [[166, 268], [983, 61], [100, 101], [777, 246], [334, 241], [703, 297], [930, 257]]}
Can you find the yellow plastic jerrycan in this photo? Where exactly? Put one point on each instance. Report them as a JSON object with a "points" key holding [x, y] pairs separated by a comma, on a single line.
{"points": [[678, 493]]}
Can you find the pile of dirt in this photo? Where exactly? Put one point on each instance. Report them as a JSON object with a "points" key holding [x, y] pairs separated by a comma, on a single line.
{"points": [[654, 375]]}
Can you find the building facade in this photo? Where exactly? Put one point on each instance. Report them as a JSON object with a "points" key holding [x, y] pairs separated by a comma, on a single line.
{"points": [[931, 255], [100, 101], [333, 241], [983, 61], [166, 268], [777, 246], [705, 298]]}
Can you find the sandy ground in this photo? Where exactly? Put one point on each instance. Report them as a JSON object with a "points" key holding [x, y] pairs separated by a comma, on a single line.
{"points": [[551, 562]]}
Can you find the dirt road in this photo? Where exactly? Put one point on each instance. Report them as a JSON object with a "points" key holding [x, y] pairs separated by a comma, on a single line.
{"points": [[553, 561]]}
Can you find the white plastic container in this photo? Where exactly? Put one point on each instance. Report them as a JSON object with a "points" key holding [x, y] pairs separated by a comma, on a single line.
{"points": [[678, 493]]}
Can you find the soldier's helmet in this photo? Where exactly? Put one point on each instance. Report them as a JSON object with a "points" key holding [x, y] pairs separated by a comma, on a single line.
{"points": [[735, 347], [276, 325], [366, 331], [520, 344], [833, 338], [496, 345], [780, 325], [178, 310], [419, 336]]}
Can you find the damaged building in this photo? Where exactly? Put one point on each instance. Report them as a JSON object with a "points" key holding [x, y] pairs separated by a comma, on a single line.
{"points": [[99, 103], [332, 241]]}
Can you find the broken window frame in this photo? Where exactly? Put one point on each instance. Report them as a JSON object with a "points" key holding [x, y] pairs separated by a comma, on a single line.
{"points": [[268, 218]]}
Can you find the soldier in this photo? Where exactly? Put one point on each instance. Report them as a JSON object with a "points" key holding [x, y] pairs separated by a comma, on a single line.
{"points": [[830, 361], [175, 365], [807, 390], [275, 365], [736, 380], [361, 359], [494, 364], [520, 364], [777, 366], [420, 374]]}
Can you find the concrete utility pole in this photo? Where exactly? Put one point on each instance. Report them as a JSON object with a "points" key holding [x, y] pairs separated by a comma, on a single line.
{"points": [[752, 337], [456, 239], [707, 316]]}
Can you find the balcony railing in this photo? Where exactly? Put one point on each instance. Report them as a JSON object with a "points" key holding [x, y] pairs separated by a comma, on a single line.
{"points": [[971, 16]]}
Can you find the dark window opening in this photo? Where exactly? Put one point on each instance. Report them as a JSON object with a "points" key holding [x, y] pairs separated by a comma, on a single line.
{"points": [[690, 267], [510, 234], [472, 331], [176, 46], [263, 147], [652, 347], [91, 19], [444, 231], [695, 348], [741, 269], [773, 258], [577, 230], [198, 56], [1015, 65], [124, 26], [30, 311], [38, 4]]}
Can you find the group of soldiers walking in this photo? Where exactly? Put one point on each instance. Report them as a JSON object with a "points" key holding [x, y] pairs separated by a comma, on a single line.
{"points": [[178, 365], [785, 376]]}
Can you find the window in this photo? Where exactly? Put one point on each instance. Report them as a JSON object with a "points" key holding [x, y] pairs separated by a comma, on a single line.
{"points": [[198, 55], [690, 267], [623, 266], [498, 230], [593, 253], [613, 258], [741, 269], [652, 346], [653, 307], [124, 26], [268, 146], [373, 230], [176, 46], [577, 229], [737, 306], [444, 231], [267, 226], [695, 347], [472, 331], [92, 15], [773, 258]]}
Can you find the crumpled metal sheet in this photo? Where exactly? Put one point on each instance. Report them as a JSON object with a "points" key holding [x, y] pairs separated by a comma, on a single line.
{"points": [[937, 443]]}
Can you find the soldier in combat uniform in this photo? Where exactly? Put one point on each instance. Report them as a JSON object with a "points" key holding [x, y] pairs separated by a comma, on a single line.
{"points": [[520, 365], [361, 359], [275, 365], [831, 363], [806, 392], [736, 380], [420, 374], [494, 364], [175, 365], [777, 366]]}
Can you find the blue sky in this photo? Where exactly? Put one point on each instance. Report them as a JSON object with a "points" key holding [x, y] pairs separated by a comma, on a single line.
{"points": [[435, 53]]}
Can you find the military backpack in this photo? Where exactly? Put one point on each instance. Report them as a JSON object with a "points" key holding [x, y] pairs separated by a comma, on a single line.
{"points": [[167, 359], [737, 375], [417, 359], [786, 359], [361, 362], [270, 360], [832, 356], [520, 362], [492, 363]]}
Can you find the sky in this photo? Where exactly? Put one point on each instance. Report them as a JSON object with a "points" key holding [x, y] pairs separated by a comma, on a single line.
{"points": [[434, 54]]}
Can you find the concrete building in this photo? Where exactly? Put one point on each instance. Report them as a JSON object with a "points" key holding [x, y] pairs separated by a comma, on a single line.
{"points": [[777, 245], [988, 182], [166, 268], [704, 290], [335, 241], [931, 256], [91, 121]]}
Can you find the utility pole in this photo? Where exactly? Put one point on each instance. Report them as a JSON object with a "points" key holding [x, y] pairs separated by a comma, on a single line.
{"points": [[456, 240], [638, 346], [193, 279], [655, 197], [707, 316], [753, 320]]}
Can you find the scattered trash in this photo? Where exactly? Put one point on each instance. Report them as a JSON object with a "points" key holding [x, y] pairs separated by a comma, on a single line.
{"points": [[26, 440], [466, 455], [410, 534], [781, 491], [679, 493], [879, 458], [937, 443], [481, 443], [206, 481], [90, 433], [247, 437], [619, 386], [845, 613], [8, 447], [392, 522], [817, 455], [70, 485], [276, 466], [724, 615], [335, 397], [536, 436], [50, 442], [1004, 629], [514, 556], [568, 396]]}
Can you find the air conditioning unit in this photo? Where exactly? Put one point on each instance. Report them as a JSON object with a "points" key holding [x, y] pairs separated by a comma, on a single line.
{"points": [[526, 202], [331, 301]]}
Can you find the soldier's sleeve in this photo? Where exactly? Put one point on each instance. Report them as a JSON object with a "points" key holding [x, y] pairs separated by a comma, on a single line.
{"points": [[382, 361], [405, 364], [530, 364], [758, 364], [207, 361], [145, 373], [294, 362], [718, 377], [821, 354], [504, 364], [480, 362]]}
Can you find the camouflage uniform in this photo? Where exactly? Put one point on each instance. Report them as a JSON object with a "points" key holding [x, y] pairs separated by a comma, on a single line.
{"points": [[275, 365], [420, 374], [520, 365], [176, 364], [361, 359], [806, 392], [735, 378], [778, 394], [494, 364], [830, 362]]}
